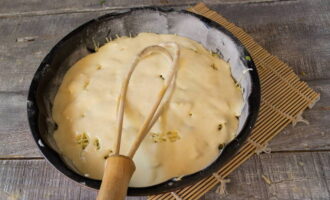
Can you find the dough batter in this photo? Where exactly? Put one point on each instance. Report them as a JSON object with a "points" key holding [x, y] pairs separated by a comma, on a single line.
{"points": [[200, 117]]}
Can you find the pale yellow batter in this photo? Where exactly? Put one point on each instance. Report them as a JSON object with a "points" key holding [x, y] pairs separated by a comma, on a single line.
{"points": [[201, 115]]}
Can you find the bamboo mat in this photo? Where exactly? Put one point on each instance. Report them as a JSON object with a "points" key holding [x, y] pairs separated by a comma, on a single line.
{"points": [[283, 99]]}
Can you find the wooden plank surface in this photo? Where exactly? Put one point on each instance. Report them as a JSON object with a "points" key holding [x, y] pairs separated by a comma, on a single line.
{"points": [[36, 179], [21, 59], [297, 31], [15, 137], [292, 176], [312, 136], [48, 7], [16, 8]]}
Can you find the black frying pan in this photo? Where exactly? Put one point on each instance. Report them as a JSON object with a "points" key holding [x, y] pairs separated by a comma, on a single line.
{"points": [[80, 42]]}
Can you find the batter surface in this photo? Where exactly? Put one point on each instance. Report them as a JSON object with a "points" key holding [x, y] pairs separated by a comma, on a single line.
{"points": [[200, 117]]}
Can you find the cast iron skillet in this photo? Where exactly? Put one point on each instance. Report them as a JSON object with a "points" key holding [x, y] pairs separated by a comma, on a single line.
{"points": [[81, 42]]}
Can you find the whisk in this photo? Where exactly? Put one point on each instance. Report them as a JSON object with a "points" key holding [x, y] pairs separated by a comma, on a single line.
{"points": [[120, 168]]}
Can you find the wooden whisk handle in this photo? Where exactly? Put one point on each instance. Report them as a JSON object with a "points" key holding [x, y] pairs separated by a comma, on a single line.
{"points": [[117, 174], [119, 169]]}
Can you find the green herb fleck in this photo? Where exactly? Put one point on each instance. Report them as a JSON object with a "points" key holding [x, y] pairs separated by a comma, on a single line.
{"points": [[221, 146], [215, 54], [173, 136], [97, 144], [161, 76], [303, 73], [194, 50], [98, 67], [158, 137], [219, 127], [237, 84], [108, 154], [102, 2], [214, 67], [96, 45], [82, 140], [248, 58]]}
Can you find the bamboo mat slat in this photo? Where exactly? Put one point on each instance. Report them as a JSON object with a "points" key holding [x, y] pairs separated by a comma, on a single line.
{"points": [[283, 99]]}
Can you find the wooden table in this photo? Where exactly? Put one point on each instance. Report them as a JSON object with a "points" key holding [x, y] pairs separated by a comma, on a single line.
{"points": [[298, 32]]}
